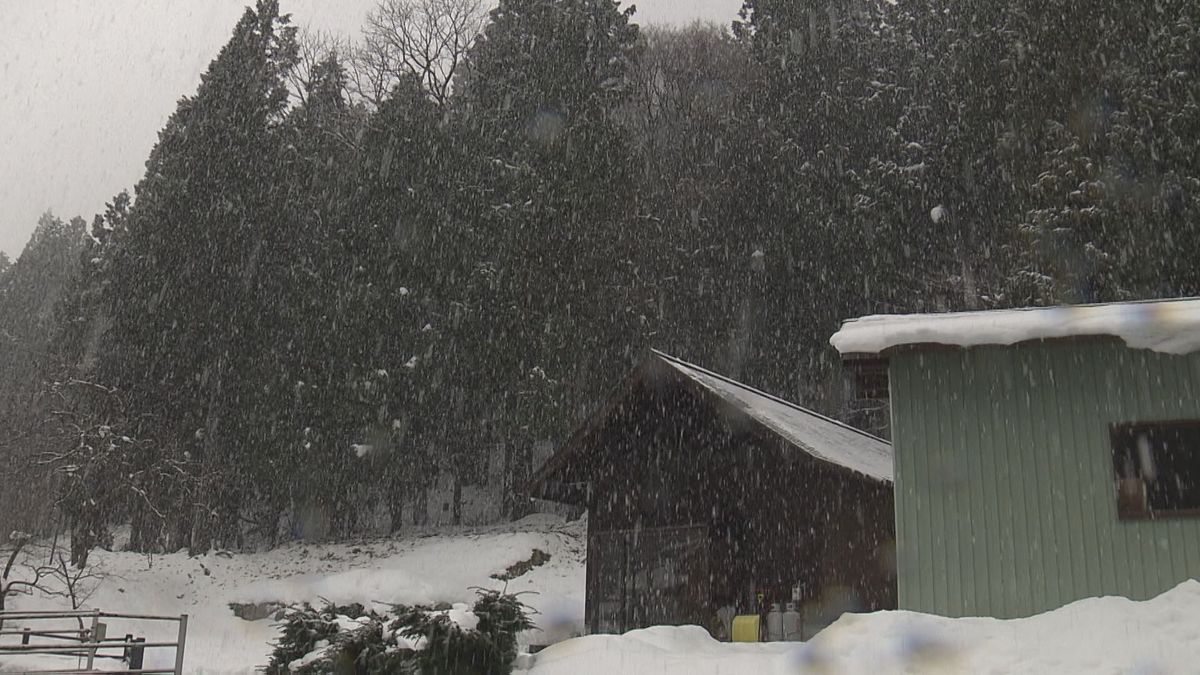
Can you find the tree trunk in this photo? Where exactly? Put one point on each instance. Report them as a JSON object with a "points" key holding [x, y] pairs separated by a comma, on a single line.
{"points": [[81, 544], [522, 470], [203, 521], [421, 508], [350, 518], [12, 558], [179, 533], [970, 291], [395, 502], [508, 503], [142, 537], [457, 502]]}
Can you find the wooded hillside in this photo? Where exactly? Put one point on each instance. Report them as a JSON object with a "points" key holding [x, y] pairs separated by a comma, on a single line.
{"points": [[354, 263]]}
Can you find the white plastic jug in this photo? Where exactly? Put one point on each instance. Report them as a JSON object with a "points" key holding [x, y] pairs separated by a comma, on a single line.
{"points": [[775, 623], [791, 624]]}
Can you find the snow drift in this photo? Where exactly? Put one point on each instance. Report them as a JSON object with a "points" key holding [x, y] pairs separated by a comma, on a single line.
{"points": [[1097, 635]]}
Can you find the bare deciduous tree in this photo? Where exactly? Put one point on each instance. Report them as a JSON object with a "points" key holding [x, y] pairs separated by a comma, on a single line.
{"points": [[313, 48], [685, 80], [101, 468], [424, 39], [77, 585], [8, 585], [22, 574]]}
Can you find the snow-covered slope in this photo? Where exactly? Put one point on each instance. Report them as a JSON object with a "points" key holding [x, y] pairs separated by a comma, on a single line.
{"points": [[428, 568], [1099, 635]]}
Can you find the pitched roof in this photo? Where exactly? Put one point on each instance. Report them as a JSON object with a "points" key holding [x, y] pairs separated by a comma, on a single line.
{"points": [[1171, 326], [821, 437]]}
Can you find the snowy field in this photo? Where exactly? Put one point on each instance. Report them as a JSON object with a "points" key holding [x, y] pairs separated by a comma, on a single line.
{"points": [[1104, 635], [413, 569]]}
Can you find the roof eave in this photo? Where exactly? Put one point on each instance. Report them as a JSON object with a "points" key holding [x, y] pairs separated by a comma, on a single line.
{"points": [[576, 443]]}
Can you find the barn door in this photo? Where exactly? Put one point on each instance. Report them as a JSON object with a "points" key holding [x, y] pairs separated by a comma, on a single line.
{"points": [[647, 577]]}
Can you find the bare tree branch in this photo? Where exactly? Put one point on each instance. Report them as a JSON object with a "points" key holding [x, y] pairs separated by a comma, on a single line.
{"points": [[313, 48], [423, 39], [19, 540], [55, 579]]}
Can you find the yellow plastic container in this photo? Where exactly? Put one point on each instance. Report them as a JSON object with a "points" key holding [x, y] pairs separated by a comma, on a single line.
{"points": [[746, 628]]}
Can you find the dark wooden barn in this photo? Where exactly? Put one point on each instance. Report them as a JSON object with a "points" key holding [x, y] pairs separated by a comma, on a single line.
{"points": [[704, 494]]}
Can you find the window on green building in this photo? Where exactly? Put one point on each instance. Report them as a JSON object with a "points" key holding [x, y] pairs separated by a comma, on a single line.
{"points": [[1157, 467], [867, 396]]}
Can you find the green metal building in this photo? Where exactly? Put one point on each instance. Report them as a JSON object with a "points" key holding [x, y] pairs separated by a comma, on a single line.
{"points": [[1042, 455]]}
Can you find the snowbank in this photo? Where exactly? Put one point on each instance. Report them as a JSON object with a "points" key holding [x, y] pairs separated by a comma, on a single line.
{"points": [[1099, 635], [662, 650], [1168, 326], [427, 568]]}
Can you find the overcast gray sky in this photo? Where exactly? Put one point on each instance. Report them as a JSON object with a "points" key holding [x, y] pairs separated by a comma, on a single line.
{"points": [[85, 85]]}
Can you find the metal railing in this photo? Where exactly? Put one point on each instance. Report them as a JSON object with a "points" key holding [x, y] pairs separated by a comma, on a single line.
{"points": [[86, 642]]}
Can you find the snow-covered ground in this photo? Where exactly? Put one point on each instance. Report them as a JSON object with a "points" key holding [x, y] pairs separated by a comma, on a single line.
{"points": [[1160, 636], [1102, 635], [423, 568]]}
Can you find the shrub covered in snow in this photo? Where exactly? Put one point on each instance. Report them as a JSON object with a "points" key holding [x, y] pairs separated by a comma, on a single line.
{"points": [[453, 640], [308, 631]]}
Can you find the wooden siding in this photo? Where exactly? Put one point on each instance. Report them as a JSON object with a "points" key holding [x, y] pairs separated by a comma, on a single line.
{"points": [[670, 459], [1005, 491]]}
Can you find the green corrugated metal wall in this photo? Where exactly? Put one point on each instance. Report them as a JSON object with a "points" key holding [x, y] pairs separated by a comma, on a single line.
{"points": [[1005, 501]]}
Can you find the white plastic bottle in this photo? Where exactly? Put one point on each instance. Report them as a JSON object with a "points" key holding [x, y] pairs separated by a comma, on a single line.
{"points": [[791, 624], [775, 623]]}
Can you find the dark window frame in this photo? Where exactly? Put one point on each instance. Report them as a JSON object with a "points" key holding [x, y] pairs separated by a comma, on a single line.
{"points": [[1131, 489], [866, 395]]}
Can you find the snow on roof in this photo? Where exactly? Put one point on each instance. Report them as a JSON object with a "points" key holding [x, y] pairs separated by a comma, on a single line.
{"points": [[1168, 326], [823, 438]]}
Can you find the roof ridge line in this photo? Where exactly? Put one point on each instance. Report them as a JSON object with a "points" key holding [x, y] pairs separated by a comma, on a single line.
{"points": [[661, 354]]}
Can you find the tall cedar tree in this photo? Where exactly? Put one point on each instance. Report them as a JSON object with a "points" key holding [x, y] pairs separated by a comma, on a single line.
{"points": [[29, 291], [554, 301], [194, 338]]}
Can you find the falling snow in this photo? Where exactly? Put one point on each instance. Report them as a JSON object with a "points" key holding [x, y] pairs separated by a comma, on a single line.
{"points": [[382, 279]]}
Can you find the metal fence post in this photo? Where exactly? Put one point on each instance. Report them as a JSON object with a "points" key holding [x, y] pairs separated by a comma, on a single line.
{"points": [[92, 638], [86, 642], [183, 620], [137, 654]]}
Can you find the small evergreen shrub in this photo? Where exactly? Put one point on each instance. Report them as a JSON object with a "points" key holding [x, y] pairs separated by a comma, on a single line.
{"points": [[419, 640], [303, 629]]}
